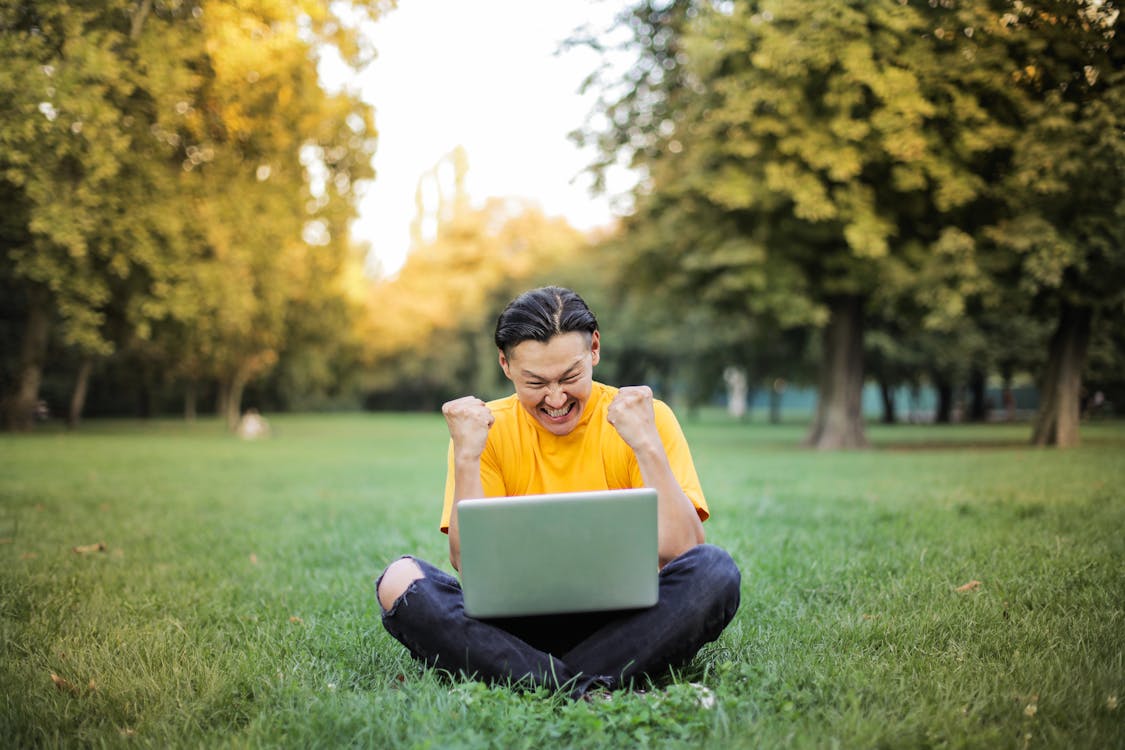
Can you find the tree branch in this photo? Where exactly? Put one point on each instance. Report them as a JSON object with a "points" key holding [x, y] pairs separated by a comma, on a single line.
{"points": [[139, 16]]}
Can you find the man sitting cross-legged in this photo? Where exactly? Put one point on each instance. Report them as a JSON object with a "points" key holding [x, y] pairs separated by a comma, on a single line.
{"points": [[561, 431]]}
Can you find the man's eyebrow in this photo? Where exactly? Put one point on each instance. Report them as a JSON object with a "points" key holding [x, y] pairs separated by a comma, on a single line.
{"points": [[533, 376]]}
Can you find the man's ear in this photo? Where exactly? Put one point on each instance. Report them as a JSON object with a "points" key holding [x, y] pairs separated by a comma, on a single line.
{"points": [[595, 348], [505, 366]]}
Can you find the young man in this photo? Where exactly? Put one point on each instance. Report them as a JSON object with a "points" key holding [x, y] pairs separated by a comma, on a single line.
{"points": [[562, 431]]}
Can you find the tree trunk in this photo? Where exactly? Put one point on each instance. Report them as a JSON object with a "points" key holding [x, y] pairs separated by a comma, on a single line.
{"points": [[839, 410], [1006, 396], [1061, 387], [234, 400], [191, 396], [222, 398], [78, 396], [146, 399], [944, 388], [21, 403], [887, 391], [978, 399]]}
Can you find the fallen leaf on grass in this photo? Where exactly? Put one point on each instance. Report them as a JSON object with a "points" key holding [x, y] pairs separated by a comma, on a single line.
{"points": [[127, 732], [295, 619], [64, 684], [29, 556], [6, 540], [968, 586], [253, 559], [1111, 703], [84, 549]]}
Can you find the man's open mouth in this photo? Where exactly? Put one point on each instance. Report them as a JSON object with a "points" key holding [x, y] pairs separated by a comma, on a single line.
{"points": [[559, 413]]}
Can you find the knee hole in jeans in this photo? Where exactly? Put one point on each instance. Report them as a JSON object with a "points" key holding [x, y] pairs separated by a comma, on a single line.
{"points": [[396, 579]]}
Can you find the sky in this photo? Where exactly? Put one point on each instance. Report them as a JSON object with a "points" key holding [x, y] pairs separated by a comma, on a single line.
{"points": [[483, 75]]}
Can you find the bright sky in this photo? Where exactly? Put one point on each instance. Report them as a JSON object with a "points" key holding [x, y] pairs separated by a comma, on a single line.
{"points": [[482, 74]]}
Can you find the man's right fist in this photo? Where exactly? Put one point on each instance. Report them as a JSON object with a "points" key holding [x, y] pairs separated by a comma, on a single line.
{"points": [[469, 420]]}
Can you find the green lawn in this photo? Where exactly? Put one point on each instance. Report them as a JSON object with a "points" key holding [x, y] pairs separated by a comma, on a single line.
{"points": [[233, 606]]}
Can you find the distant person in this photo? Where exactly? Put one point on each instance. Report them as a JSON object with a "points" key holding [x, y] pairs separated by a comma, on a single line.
{"points": [[253, 426], [1096, 405], [737, 391], [562, 431]]}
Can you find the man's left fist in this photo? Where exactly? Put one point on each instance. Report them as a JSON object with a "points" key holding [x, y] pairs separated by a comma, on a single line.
{"points": [[631, 414]]}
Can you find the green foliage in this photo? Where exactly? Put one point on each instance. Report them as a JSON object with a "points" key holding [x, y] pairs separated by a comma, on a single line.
{"points": [[179, 180], [247, 618], [64, 142], [807, 151], [946, 164], [1064, 230]]}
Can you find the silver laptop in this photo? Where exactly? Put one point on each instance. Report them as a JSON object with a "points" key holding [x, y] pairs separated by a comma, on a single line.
{"points": [[551, 554]]}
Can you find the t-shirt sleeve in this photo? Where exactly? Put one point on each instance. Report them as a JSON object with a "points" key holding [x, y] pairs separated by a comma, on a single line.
{"points": [[679, 457], [489, 475]]}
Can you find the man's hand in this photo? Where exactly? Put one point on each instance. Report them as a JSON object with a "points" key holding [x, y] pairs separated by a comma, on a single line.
{"points": [[469, 420], [631, 414]]}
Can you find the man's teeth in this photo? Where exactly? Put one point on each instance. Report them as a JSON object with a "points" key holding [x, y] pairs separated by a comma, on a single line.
{"points": [[557, 412]]}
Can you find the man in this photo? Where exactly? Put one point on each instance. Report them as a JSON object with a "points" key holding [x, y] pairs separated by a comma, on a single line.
{"points": [[561, 431]]}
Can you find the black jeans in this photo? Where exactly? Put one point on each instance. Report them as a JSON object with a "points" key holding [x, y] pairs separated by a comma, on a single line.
{"points": [[699, 595]]}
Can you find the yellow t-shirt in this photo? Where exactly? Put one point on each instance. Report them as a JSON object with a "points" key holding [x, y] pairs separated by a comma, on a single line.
{"points": [[522, 458]]}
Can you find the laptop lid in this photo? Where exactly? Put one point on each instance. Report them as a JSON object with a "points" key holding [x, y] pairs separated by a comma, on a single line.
{"points": [[566, 552]]}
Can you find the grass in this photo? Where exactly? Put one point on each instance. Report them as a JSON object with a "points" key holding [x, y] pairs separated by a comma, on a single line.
{"points": [[232, 605]]}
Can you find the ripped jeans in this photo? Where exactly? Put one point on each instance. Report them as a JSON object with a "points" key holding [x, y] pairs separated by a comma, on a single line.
{"points": [[699, 595]]}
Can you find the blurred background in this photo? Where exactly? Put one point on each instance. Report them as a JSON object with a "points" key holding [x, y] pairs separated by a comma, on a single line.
{"points": [[892, 210]]}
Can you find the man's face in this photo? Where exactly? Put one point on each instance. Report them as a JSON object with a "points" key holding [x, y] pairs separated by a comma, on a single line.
{"points": [[553, 379]]}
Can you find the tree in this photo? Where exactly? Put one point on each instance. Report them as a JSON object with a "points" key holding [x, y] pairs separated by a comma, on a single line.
{"points": [[66, 77], [802, 157], [271, 160], [173, 171], [1064, 231]]}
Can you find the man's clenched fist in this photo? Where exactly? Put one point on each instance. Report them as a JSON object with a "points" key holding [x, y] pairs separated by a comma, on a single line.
{"points": [[631, 414], [469, 420]]}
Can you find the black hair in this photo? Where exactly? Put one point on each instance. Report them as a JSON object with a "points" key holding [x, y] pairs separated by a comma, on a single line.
{"points": [[540, 314]]}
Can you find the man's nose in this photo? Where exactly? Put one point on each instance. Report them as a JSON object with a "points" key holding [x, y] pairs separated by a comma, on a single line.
{"points": [[556, 397]]}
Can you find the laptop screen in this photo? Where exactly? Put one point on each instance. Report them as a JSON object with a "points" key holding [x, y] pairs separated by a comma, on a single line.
{"points": [[567, 552]]}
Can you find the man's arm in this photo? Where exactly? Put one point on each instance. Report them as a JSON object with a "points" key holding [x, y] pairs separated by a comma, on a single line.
{"points": [[469, 420], [632, 415]]}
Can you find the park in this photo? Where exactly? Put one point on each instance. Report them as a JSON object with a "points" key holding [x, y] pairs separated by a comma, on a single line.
{"points": [[871, 254]]}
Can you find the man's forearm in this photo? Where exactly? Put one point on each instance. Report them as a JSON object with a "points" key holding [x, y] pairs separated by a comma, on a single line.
{"points": [[677, 520], [466, 485]]}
